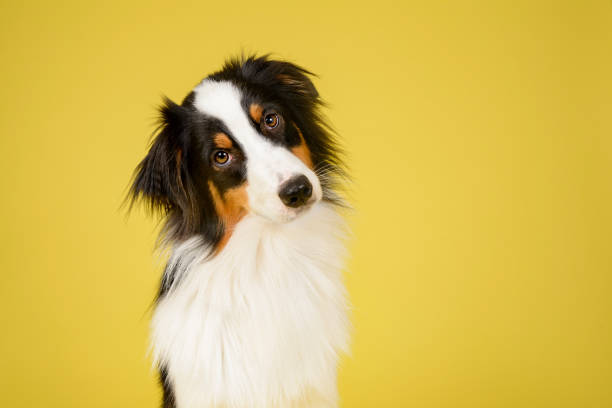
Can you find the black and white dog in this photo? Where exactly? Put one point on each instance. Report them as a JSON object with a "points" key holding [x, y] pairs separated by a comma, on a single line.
{"points": [[251, 310]]}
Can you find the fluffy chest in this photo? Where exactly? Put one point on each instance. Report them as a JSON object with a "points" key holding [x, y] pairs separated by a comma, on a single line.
{"points": [[260, 324]]}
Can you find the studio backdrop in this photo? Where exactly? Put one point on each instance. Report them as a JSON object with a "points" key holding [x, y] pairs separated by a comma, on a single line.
{"points": [[479, 140]]}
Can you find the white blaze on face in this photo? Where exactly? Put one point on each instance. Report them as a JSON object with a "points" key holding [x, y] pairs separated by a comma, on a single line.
{"points": [[268, 165]]}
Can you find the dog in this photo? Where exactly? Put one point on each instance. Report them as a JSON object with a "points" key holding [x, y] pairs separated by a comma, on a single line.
{"points": [[251, 311]]}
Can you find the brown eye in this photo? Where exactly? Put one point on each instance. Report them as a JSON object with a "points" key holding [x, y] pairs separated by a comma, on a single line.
{"points": [[221, 157], [271, 120]]}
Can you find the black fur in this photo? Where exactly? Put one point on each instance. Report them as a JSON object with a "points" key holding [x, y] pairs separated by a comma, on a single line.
{"points": [[171, 179], [168, 396]]}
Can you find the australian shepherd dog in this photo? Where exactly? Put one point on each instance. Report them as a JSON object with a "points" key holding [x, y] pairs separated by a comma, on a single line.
{"points": [[251, 310]]}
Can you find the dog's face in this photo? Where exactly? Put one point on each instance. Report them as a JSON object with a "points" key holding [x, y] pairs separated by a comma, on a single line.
{"points": [[247, 139], [254, 153]]}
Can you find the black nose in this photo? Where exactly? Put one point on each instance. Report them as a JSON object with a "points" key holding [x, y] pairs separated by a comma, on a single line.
{"points": [[295, 192]]}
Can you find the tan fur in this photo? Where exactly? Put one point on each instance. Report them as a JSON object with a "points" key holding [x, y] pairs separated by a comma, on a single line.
{"points": [[231, 207], [222, 141], [255, 111], [302, 151]]}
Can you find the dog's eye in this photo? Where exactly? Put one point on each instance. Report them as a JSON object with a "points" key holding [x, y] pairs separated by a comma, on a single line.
{"points": [[271, 120], [221, 157]]}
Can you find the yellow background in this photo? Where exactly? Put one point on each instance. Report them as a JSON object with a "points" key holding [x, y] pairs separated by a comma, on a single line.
{"points": [[479, 136]]}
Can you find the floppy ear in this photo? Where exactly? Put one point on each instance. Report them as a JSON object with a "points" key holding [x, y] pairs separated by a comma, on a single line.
{"points": [[158, 179], [296, 80], [290, 80]]}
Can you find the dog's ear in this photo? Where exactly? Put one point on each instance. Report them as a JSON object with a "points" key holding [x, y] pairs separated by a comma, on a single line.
{"points": [[158, 179], [296, 80]]}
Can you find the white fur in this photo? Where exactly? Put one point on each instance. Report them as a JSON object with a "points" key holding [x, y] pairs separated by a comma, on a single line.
{"points": [[268, 165], [261, 324]]}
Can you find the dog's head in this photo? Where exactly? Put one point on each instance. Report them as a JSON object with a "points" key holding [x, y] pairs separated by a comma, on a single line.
{"points": [[248, 139]]}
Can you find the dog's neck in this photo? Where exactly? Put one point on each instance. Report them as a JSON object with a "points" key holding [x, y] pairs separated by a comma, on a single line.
{"points": [[319, 233], [270, 301]]}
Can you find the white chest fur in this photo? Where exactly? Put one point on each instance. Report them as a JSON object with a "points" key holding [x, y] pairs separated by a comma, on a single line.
{"points": [[260, 324]]}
